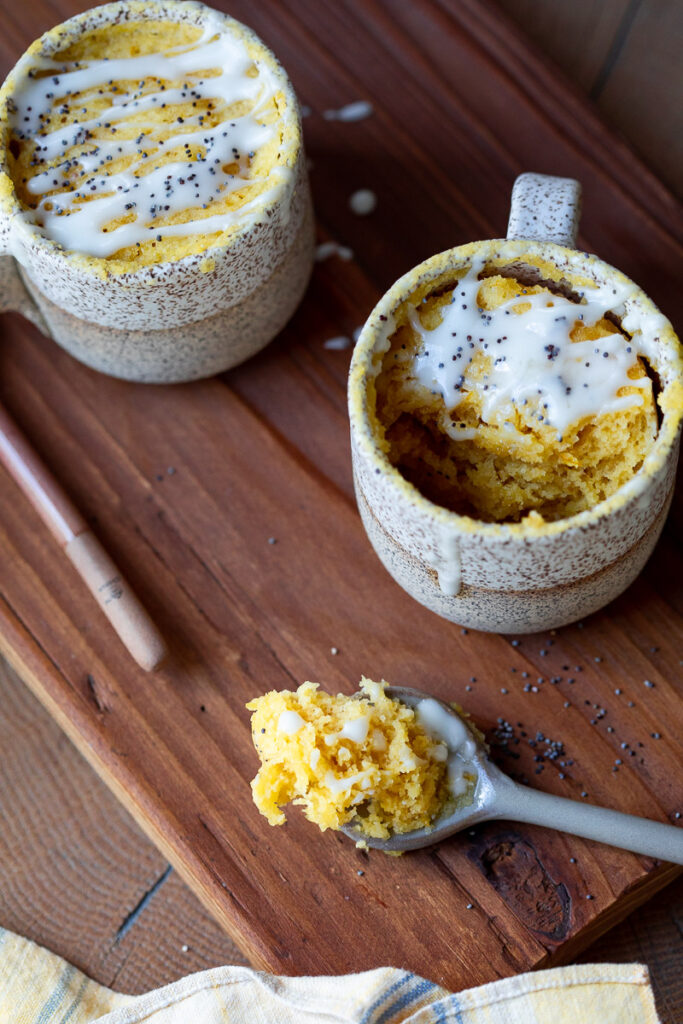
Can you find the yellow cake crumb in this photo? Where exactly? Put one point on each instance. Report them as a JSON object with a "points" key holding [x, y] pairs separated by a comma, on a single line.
{"points": [[339, 757], [503, 466]]}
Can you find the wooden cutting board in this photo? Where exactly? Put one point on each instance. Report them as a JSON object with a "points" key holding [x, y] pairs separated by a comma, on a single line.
{"points": [[189, 486]]}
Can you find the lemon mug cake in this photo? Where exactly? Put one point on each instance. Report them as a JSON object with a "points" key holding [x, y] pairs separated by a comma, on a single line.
{"points": [[515, 418], [153, 190]]}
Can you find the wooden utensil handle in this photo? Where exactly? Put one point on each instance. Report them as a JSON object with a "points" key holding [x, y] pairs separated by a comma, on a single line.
{"points": [[23, 464], [116, 599], [107, 585]]}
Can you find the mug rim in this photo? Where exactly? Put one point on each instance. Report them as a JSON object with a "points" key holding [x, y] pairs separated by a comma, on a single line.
{"points": [[379, 325], [144, 10]]}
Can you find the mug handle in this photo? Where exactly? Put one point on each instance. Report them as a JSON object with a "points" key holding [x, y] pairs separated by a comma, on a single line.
{"points": [[14, 297], [545, 208]]}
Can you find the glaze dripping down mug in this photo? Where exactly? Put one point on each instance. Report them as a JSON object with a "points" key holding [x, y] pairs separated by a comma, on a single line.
{"points": [[83, 267], [518, 573]]}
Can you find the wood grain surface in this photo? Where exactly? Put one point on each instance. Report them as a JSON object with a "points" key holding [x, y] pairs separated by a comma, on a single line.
{"points": [[77, 875], [625, 54], [187, 485]]}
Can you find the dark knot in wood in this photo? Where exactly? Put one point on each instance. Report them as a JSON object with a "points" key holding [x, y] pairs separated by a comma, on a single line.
{"points": [[512, 866], [99, 701]]}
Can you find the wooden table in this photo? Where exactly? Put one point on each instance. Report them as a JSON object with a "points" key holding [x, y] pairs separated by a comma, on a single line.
{"points": [[76, 874]]}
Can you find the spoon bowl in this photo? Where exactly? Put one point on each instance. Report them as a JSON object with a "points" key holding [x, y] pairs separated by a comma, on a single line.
{"points": [[496, 796]]}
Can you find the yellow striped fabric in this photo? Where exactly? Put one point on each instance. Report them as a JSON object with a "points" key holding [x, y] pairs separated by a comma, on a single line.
{"points": [[37, 987]]}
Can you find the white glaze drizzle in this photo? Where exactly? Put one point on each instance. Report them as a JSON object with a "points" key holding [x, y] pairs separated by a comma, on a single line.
{"points": [[362, 202], [356, 730], [290, 723], [379, 741], [77, 218], [533, 361], [446, 561], [447, 728], [338, 343], [328, 249], [356, 111], [337, 785]]}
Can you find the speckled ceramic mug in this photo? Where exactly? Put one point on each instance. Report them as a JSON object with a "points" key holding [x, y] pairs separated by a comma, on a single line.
{"points": [[172, 321], [515, 577]]}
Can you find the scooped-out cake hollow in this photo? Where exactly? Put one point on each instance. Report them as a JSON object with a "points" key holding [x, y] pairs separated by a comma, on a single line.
{"points": [[506, 393]]}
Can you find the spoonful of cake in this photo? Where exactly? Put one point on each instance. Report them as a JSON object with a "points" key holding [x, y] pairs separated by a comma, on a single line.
{"points": [[495, 795], [396, 769]]}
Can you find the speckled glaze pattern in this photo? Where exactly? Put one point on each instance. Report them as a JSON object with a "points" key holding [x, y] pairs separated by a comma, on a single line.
{"points": [[545, 208], [14, 297], [250, 288], [517, 577], [191, 351], [515, 608]]}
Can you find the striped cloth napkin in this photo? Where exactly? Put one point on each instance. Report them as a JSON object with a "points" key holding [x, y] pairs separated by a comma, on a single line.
{"points": [[37, 987]]}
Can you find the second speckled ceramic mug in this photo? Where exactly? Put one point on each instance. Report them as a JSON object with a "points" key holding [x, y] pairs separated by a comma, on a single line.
{"points": [[515, 577], [172, 321]]}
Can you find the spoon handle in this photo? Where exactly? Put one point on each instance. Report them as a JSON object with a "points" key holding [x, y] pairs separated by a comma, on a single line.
{"points": [[640, 835], [106, 584]]}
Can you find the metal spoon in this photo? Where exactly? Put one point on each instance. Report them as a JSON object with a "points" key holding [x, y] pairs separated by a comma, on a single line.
{"points": [[497, 796]]}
